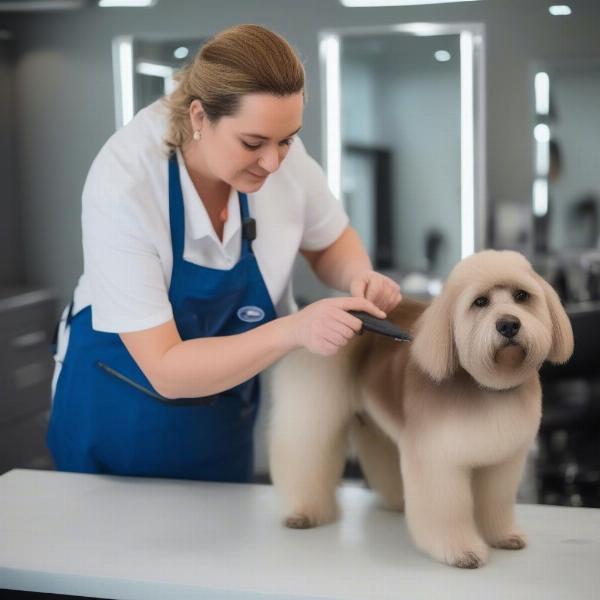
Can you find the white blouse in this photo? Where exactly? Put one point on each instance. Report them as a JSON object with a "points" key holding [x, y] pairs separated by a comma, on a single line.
{"points": [[127, 239]]}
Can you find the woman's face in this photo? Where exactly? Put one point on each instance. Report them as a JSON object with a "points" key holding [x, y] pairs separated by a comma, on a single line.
{"points": [[244, 149]]}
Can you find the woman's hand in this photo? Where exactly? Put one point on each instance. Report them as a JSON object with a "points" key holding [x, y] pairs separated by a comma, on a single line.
{"points": [[379, 289], [326, 326]]}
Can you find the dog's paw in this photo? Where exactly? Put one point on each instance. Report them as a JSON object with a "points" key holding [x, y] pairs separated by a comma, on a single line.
{"points": [[469, 560], [470, 557], [511, 541], [307, 516], [298, 521]]}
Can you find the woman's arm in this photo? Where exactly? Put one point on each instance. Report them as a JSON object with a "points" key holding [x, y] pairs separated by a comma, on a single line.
{"points": [[337, 264], [346, 266], [206, 366]]}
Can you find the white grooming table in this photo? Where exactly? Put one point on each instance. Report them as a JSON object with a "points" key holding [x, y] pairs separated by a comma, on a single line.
{"points": [[146, 539]]}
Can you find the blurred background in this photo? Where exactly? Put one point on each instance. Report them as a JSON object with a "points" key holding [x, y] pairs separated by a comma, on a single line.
{"points": [[444, 128]]}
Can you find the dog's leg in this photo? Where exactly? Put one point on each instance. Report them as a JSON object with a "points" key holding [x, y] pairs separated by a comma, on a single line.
{"points": [[379, 460], [306, 472], [308, 438], [439, 510], [495, 489]]}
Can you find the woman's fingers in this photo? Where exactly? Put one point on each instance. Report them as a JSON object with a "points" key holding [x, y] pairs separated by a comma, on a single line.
{"points": [[379, 289], [325, 326], [359, 303]]}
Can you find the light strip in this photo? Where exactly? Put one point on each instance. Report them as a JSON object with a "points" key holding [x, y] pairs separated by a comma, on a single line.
{"points": [[420, 29], [542, 93], [540, 197], [125, 3], [542, 158], [154, 70], [541, 132], [467, 146], [123, 68], [330, 56], [374, 3]]}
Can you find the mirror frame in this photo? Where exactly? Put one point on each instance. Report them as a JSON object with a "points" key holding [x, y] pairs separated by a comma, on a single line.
{"points": [[473, 186]]}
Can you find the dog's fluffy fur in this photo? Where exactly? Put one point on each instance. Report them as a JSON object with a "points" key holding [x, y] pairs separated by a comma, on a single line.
{"points": [[442, 425]]}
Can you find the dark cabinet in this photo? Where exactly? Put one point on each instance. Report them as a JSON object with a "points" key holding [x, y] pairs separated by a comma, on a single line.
{"points": [[27, 318]]}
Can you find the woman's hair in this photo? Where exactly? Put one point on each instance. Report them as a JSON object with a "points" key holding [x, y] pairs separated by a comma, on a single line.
{"points": [[241, 60]]}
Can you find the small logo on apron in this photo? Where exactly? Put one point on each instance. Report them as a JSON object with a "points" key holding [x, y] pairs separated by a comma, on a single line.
{"points": [[251, 314]]}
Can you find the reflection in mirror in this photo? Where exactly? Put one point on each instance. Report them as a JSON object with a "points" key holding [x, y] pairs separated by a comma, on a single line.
{"points": [[567, 141], [404, 143], [566, 182], [143, 71]]}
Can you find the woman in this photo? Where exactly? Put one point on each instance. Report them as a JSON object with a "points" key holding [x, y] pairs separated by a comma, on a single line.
{"points": [[191, 223]]}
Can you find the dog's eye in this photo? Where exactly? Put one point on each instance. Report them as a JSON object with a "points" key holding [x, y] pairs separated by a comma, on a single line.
{"points": [[521, 296], [481, 301]]}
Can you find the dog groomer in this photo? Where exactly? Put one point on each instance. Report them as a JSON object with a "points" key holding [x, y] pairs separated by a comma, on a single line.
{"points": [[193, 215]]}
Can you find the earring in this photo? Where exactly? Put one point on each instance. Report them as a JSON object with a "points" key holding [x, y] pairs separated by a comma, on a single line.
{"points": [[197, 135]]}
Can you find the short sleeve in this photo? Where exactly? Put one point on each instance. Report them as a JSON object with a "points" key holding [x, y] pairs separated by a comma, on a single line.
{"points": [[121, 263], [324, 218]]}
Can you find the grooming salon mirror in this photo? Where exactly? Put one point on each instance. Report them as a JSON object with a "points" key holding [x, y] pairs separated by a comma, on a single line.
{"points": [[143, 70], [403, 136], [566, 189], [566, 180]]}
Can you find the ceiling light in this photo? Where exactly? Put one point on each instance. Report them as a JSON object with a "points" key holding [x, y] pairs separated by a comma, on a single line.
{"points": [[372, 3], [181, 52], [420, 29], [125, 3], [442, 55], [559, 10]]}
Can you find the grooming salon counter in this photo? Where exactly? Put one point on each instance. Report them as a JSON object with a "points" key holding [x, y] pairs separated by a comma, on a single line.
{"points": [[150, 539]]}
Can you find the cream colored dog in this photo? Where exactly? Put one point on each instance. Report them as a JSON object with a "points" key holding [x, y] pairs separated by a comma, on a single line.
{"points": [[442, 425]]}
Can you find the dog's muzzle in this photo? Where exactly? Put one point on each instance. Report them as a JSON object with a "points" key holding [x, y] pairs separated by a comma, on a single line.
{"points": [[508, 327]]}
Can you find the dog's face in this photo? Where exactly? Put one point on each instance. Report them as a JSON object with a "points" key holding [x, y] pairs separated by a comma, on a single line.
{"points": [[497, 319], [502, 331]]}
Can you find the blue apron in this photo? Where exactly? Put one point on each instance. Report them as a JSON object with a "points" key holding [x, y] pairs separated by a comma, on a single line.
{"points": [[106, 416]]}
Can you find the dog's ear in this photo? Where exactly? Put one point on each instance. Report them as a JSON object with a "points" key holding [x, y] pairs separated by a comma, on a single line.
{"points": [[433, 346], [562, 332]]}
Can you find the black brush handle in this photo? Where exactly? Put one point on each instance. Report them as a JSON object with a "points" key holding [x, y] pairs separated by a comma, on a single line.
{"points": [[381, 326]]}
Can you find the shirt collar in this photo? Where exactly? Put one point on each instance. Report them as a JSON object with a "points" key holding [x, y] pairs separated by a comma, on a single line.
{"points": [[197, 220]]}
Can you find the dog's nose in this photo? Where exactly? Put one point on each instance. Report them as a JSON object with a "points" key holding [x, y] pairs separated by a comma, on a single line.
{"points": [[508, 327]]}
